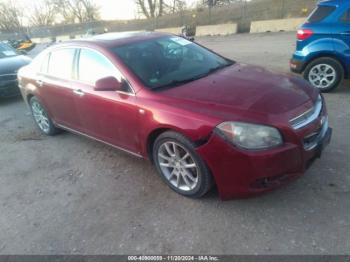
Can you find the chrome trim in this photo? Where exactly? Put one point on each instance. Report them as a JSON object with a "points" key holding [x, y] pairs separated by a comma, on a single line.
{"points": [[309, 116], [99, 140], [322, 133], [126, 93], [9, 75]]}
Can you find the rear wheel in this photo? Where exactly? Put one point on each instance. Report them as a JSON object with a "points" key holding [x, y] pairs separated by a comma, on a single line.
{"points": [[324, 73], [180, 166], [42, 118]]}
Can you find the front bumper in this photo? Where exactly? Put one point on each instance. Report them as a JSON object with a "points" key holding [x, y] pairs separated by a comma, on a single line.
{"points": [[9, 88], [240, 173]]}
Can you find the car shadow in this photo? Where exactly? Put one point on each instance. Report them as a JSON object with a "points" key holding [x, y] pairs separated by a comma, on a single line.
{"points": [[344, 88]]}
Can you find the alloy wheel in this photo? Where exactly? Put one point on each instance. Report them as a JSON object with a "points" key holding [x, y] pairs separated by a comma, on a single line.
{"points": [[322, 76], [178, 166], [40, 117]]}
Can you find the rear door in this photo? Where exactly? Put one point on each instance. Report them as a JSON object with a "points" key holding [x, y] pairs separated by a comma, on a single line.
{"points": [[56, 89], [106, 115], [342, 36]]}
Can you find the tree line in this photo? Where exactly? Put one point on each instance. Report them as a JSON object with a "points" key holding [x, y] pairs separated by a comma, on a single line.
{"points": [[13, 17], [50, 12], [158, 8]]}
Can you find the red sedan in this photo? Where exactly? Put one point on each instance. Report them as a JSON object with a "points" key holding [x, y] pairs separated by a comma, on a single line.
{"points": [[202, 119]]}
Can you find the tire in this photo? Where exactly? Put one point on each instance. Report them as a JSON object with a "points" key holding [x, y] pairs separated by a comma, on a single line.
{"points": [[324, 73], [41, 118], [182, 169]]}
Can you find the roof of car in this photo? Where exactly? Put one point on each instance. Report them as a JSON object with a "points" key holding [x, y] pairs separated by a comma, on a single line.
{"points": [[118, 39], [334, 2]]}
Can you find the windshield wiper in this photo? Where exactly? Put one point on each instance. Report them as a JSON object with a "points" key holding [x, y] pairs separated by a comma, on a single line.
{"points": [[184, 81]]}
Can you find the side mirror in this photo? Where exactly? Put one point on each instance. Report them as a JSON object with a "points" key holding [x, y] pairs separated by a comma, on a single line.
{"points": [[109, 83]]}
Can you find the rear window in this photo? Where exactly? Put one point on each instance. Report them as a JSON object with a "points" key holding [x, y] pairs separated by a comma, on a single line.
{"points": [[320, 13], [61, 63]]}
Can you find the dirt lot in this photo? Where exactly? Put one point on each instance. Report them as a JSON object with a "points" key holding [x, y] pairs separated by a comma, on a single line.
{"points": [[68, 195]]}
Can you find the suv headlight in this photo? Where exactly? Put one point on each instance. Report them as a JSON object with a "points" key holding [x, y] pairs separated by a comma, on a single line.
{"points": [[250, 136]]}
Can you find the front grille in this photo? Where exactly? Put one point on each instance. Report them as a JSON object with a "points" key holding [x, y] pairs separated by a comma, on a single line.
{"points": [[309, 116], [310, 141]]}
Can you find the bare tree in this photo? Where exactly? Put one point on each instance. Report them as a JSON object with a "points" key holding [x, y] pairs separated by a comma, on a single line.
{"points": [[174, 6], [157, 8], [212, 3], [10, 17], [151, 8], [77, 10], [43, 13]]}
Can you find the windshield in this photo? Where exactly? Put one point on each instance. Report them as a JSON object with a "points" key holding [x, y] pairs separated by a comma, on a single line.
{"points": [[169, 61], [6, 51]]}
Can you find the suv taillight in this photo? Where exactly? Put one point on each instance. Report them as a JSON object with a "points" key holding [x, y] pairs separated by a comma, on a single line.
{"points": [[303, 34]]}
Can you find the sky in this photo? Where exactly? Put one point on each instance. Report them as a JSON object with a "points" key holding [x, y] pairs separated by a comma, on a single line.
{"points": [[117, 9], [121, 9], [111, 9]]}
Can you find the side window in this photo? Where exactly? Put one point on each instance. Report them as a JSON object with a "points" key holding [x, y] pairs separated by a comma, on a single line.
{"points": [[94, 66], [320, 13], [346, 17], [61, 63]]}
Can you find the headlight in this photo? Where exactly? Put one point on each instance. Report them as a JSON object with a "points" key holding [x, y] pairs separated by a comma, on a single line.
{"points": [[250, 136]]}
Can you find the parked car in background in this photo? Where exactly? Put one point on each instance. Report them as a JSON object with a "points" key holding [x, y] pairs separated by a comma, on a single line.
{"points": [[323, 46], [95, 31], [21, 42], [202, 119], [10, 62]]}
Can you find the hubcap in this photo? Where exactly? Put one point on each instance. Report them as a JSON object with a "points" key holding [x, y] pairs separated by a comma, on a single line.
{"points": [[41, 117], [178, 166], [322, 76]]}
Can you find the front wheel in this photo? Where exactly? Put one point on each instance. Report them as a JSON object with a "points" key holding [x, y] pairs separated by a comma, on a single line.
{"points": [[180, 166], [42, 118], [324, 73]]}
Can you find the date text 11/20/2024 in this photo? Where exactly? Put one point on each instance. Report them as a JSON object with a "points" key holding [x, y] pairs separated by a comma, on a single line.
{"points": [[174, 258]]}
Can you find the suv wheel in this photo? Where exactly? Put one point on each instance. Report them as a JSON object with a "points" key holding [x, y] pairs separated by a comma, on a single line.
{"points": [[180, 166], [42, 118], [324, 73]]}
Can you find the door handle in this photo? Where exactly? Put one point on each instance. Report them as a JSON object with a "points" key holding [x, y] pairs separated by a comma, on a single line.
{"points": [[40, 82], [78, 92]]}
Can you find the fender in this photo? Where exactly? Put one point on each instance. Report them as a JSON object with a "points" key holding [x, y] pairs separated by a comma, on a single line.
{"points": [[318, 48]]}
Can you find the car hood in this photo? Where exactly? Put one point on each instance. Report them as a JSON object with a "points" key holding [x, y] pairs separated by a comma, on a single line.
{"points": [[10, 65], [245, 88]]}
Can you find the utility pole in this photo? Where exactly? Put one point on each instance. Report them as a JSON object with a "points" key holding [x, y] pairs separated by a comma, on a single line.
{"points": [[283, 8], [210, 6]]}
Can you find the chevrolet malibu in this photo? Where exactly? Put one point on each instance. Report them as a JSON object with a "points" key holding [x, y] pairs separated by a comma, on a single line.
{"points": [[202, 119]]}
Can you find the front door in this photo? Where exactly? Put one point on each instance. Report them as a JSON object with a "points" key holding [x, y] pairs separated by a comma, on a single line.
{"points": [[106, 115]]}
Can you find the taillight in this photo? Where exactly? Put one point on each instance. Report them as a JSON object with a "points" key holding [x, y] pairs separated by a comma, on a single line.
{"points": [[303, 34]]}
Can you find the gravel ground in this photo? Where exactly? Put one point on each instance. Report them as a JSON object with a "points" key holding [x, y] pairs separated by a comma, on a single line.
{"points": [[70, 195]]}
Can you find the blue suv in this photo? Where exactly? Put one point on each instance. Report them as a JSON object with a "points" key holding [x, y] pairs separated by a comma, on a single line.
{"points": [[323, 47]]}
